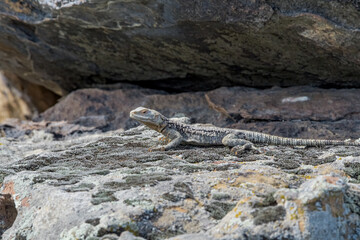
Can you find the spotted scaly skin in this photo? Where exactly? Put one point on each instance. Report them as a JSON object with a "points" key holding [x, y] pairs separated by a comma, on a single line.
{"points": [[181, 133]]}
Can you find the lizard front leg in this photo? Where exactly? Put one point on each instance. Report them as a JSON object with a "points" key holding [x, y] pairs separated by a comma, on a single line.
{"points": [[176, 139], [238, 144]]}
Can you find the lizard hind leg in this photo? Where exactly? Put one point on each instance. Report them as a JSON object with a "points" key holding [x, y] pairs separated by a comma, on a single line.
{"points": [[239, 145]]}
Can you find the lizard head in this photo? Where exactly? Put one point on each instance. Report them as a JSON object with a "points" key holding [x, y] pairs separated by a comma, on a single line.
{"points": [[151, 118]]}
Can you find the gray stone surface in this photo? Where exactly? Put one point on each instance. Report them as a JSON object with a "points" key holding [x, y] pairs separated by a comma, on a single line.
{"points": [[67, 44], [109, 186]]}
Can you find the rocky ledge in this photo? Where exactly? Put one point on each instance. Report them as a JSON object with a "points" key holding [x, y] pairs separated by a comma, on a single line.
{"points": [[109, 186], [177, 45]]}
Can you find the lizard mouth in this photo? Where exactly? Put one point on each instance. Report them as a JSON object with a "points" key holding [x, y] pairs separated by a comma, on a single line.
{"points": [[138, 117]]}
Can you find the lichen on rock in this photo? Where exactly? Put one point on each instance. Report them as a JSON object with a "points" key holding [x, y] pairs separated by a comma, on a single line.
{"points": [[108, 185]]}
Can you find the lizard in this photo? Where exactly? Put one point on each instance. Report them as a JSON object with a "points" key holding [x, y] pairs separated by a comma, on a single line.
{"points": [[239, 140]]}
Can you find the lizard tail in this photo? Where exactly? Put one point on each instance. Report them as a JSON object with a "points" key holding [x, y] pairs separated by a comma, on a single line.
{"points": [[275, 140]]}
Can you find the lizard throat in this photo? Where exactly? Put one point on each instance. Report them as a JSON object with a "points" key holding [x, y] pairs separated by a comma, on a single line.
{"points": [[156, 127], [161, 129]]}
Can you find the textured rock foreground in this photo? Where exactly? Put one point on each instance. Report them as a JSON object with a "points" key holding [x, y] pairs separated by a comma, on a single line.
{"points": [[109, 186], [64, 45]]}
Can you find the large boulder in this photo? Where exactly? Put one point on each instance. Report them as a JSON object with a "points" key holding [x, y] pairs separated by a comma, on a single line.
{"points": [[109, 186], [64, 45]]}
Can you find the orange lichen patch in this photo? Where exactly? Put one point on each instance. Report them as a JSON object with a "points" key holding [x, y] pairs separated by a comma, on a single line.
{"points": [[299, 215], [302, 224], [166, 219], [192, 202], [25, 202], [307, 177], [19, 6], [333, 200], [238, 214], [253, 180], [180, 209], [336, 203], [9, 188], [294, 216], [294, 213], [243, 201], [301, 211], [253, 177], [17, 198], [220, 186], [328, 170], [331, 180], [322, 32]]}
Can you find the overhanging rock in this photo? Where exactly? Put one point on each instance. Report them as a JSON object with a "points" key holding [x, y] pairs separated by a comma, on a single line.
{"points": [[173, 44]]}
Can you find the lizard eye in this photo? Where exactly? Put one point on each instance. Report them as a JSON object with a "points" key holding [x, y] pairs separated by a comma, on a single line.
{"points": [[144, 111]]}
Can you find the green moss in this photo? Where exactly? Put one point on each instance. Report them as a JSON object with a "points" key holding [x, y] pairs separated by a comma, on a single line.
{"points": [[118, 229], [103, 196], [139, 202], [138, 180], [268, 214], [83, 187], [218, 209], [353, 170], [221, 196]]}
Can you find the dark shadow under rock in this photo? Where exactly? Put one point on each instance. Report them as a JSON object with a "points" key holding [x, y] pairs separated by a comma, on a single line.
{"points": [[8, 212]]}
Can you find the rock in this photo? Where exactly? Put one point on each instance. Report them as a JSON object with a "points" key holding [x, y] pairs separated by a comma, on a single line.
{"points": [[13, 128], [8, 212], [294, 103], [180, 45], [312, 212], [21, 99], [109, 186], [107, 110], [12, 102], [38, 97], [305, 112]]}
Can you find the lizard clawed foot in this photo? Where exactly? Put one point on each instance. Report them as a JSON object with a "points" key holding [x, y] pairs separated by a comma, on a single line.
{"points": [[155, 149], [237, 150]]}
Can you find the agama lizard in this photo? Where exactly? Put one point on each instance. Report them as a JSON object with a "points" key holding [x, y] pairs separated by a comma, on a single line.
{"points": [[181, 133]]}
